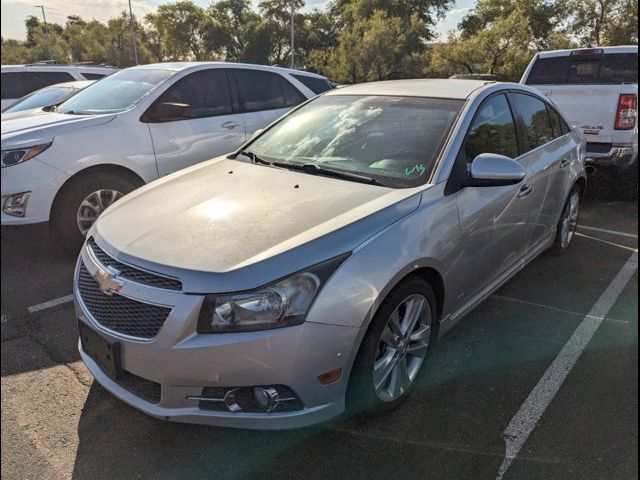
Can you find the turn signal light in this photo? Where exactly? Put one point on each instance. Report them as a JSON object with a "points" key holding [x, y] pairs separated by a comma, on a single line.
{"points": [[330, 377]]}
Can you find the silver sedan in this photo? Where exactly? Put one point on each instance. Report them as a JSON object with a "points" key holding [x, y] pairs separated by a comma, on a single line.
{"points": [[308, 273]]}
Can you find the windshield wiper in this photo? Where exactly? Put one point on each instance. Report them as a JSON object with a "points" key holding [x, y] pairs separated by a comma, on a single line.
{"points": [[313, 169], [255, 158]]}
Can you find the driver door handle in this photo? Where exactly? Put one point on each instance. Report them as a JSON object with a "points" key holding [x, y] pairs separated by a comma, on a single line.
{"points": [[230, 124], [525, 190]]}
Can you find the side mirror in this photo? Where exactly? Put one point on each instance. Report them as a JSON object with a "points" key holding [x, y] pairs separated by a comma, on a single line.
{"points": [[167, 112], [493, 170]]}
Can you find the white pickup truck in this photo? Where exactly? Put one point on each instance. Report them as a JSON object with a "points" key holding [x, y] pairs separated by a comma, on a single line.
{"points": [[597, 90]]}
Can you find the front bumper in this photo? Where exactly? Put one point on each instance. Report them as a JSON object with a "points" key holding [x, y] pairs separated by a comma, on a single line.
{"points": [[617, 156], [183, 362], [42, 180]]}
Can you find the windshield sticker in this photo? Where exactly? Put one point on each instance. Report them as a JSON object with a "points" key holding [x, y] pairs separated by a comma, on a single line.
{"points": [[419, 169]]}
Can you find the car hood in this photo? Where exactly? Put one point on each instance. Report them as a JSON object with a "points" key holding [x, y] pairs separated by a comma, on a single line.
{"points": [[31, 126], [225, 225]]}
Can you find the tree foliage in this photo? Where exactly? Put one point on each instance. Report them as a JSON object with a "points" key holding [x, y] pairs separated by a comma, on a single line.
{"points": [[349, 41]]}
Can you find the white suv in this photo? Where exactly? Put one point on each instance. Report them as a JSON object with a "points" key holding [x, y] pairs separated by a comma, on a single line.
{"points": [[66, 166], [21, 80]]}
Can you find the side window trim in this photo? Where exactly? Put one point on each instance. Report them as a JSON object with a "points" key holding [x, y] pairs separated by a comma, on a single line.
{"points": [[144, 118]]}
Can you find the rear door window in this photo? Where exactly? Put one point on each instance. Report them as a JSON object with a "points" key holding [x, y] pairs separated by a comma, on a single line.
{"points": [[535, 119], [556, 122], [37, 80], [493, 130], [258, 90], [607, 68], [93, 76], [315, 84], [12, 85]]}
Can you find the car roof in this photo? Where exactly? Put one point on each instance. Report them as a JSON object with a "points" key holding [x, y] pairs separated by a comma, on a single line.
{"points": [[434, 88], [58, 67], [605, 50], [180, 66]]}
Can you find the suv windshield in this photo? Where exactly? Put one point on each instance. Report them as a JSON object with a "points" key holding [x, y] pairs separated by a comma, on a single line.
{"points": [[395, 140], [115, 93], [40, 98]]}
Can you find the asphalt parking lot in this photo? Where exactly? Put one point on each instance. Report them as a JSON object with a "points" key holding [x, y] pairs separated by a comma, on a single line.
{"points": [[499, 364]]}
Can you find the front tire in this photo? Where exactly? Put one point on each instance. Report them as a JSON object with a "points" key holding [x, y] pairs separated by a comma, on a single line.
{"points": [[394, 348], [81, 202]]}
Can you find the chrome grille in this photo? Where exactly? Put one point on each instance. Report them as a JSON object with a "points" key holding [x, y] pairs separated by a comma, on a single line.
{"points": [[133, 273], [120, 314]]}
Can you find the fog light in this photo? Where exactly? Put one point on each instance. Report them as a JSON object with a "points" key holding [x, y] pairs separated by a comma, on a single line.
{"points": [[266, 397], [16, 205]]}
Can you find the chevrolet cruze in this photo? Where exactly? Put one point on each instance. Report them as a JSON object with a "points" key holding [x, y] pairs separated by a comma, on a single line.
{"points": [[309, 271]]}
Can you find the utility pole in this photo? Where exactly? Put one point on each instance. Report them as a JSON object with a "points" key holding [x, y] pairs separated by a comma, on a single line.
{"points": [[293, 28], [133, 34], [46, 31]]}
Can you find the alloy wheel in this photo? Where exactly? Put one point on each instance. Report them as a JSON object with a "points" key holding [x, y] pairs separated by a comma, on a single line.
{"points": [[569, 219], [402, 348], [93, 205]]}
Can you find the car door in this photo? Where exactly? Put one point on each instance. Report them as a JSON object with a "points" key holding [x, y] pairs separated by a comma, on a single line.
{"points": [[547, 156], [263, 96], [495, 222], [194, 120]]}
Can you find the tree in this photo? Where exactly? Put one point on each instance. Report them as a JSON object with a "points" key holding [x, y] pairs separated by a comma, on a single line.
{"points": [[602, 22], [504, 48], [182, 27]]}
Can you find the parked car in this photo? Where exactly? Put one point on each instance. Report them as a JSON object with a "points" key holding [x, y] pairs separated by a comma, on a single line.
{"points": [[597, 90], [65, 167], [46, 97], [21, 80], [315, 265]]}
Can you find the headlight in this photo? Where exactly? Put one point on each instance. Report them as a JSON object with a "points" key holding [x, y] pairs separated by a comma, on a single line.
{"points": [[280, 304], [19, 155]]}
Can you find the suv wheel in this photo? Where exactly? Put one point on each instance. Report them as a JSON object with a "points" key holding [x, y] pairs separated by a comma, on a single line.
{"points": [[82, 202]]}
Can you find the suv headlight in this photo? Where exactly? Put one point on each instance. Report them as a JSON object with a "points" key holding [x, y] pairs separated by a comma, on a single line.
{"points": [[280, 304], [19, 155]]}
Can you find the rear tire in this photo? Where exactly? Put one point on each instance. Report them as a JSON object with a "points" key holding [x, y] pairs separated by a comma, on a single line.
{"points": [[369, 389], [82, 200], [568, 222]]}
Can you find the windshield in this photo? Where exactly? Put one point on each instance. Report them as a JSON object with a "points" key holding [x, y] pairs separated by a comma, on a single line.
{"points": [[115, 93], [395, 140], [41, 98]]}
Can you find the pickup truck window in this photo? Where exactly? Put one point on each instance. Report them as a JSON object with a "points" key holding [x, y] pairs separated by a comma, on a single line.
{"points": [[608, 68]]}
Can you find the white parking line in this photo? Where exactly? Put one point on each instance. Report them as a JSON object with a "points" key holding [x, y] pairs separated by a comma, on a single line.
{"points": [[523, 423], [604, 230], [49, 304], [624, 247]]}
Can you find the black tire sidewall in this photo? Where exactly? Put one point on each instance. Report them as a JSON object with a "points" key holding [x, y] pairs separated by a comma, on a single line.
{"points": [[361, 396], [64, 226], [557, 247]]}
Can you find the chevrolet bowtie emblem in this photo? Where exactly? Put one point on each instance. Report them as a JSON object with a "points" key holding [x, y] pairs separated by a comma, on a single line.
{"points": [[107, 281]]}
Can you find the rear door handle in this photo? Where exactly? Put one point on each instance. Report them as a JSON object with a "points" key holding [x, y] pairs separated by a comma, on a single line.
{"points": [[230, 124], [564, 162], [525, 190]]}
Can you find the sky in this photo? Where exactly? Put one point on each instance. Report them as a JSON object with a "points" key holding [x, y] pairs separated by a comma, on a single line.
{"points": [[15, 11]]}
